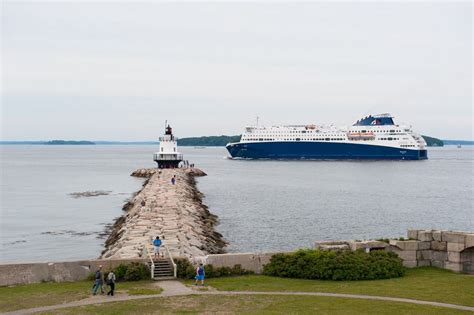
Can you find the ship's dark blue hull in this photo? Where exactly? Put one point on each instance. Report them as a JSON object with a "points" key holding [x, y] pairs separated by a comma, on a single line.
{"points": [[321, 150]]}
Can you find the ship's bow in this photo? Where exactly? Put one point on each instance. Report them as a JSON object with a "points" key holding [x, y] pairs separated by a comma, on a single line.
{"points": [[230, 149]]}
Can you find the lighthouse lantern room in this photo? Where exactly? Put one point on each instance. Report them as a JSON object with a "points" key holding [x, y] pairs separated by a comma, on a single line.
{"points": [[168, 155]]}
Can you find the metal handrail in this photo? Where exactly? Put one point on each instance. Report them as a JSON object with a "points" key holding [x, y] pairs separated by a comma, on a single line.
{"points": [[175, 268], [167, 156], [147, 252]]}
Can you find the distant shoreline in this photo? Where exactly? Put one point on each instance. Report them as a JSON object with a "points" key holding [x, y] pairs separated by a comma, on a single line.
{"points": [[69, 142]]}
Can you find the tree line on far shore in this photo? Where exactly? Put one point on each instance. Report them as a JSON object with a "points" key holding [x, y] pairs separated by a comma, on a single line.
{"points": [[211, 141]]}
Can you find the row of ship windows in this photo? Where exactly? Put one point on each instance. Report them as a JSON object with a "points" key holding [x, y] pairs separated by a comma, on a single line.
{"points": [[298, 139], [286, 135], [391, 131], [288, 132], [325, 139], [279, 135], [407, 145]]}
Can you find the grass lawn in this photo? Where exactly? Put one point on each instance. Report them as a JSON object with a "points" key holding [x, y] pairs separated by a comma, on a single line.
{"points": [[255, 305], [430, 284], [42, 294]]}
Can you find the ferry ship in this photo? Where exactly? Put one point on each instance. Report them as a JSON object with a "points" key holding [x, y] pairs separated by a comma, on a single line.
{"points": [[372, 137]]}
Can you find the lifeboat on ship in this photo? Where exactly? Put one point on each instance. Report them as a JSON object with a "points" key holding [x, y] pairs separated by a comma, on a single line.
{"points": [[361, 136]]}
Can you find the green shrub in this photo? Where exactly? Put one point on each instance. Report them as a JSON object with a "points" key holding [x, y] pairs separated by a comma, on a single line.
{"points": [[185, 270], [385, 240], [120, 272], [210, 272], [237, 270], [406, 239], [335, 265], [91, 276], [136, 271], [127, 272], [222, 272], [190, 272]]}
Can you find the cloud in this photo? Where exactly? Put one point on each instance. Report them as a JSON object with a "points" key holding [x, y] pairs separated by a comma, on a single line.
{"points": [[215, 66]]}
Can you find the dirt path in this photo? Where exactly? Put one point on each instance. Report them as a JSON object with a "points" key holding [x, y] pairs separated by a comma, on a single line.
{"points": [[176, 288]]}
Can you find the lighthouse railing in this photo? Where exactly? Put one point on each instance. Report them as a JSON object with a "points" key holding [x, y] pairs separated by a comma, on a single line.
{"points": [[167, 138], [167, 157]]}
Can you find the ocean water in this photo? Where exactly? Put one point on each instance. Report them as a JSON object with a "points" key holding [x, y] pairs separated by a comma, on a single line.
{"points": [[262, 205]]}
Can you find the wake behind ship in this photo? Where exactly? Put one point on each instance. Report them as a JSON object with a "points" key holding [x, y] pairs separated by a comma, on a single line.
{"points": [[372, 137]]}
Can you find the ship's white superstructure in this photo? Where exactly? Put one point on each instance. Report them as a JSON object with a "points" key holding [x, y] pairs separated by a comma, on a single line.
{"points": [[399, 136]]}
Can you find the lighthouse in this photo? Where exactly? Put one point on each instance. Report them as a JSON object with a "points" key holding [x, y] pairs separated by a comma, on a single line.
{"points": [[168, 155]]}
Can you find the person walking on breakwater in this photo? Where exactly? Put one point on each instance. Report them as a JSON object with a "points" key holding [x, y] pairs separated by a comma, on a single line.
{"points": [[98, 281], [144, 208], [157, 244], [173, 180], [200, 274], [111, 283]]}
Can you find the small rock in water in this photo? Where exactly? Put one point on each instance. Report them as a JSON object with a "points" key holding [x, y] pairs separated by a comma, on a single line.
{"points": [[94, 193], [68, 232], [16, 242]]}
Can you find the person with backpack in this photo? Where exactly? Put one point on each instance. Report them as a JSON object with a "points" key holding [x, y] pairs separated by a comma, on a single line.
{"points": [[111, 283], [157, 244], [200, 274], [98, 281]]}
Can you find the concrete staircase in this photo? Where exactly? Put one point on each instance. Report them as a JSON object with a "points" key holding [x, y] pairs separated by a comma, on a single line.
{"points": [[162, 269]]}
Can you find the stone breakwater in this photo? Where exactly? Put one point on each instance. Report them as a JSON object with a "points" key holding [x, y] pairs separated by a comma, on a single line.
{"points": [[174, 212]]}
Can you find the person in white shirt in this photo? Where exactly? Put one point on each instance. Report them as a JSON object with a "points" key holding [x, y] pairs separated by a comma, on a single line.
{"points": [[111, 283]]}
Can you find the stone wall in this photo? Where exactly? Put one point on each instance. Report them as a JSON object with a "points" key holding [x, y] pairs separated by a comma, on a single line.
{"points": [[248, 261], [13, 274], [443, 249]]}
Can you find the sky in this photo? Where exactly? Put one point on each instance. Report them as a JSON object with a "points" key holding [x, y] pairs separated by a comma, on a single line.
{"points": [[118, 70]]}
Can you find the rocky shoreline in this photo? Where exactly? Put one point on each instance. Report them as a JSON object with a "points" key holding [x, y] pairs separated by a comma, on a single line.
{"points": [[174, 212]]}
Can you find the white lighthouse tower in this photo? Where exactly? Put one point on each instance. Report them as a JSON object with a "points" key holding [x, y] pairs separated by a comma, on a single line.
{"points": [[168, 155]]}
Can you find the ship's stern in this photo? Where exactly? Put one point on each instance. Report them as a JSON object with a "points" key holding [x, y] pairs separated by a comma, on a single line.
{"points": [[423, 154]]}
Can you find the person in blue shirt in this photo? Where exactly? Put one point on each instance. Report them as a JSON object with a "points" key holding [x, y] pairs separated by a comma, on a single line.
{"points": [[98, 281], [157, 244], [200, 274]]}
